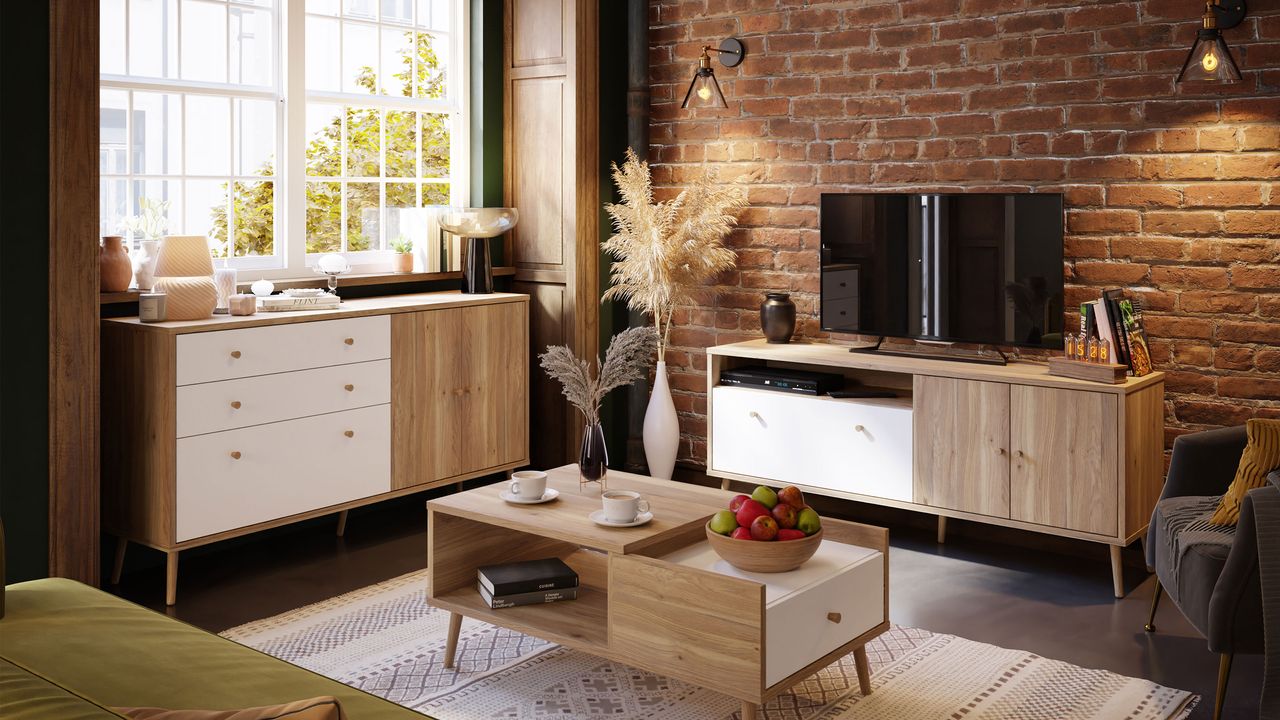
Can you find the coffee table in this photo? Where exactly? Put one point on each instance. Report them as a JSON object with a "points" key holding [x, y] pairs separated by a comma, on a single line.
{"points": [[656, 596]]}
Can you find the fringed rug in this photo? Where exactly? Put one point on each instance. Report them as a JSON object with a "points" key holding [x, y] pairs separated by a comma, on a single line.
{"points": [[386, 639]]}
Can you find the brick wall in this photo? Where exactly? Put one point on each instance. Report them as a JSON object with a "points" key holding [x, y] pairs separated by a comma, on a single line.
{"points": [[1172, 191]]}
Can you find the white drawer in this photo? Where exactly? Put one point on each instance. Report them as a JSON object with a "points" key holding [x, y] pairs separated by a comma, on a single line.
{"points": [[228, 404], [226, 354], [856, 446], [236, 478]]}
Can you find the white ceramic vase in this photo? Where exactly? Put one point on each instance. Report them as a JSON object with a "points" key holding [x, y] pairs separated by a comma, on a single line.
{"points": [[144, 264], [661, 428]]}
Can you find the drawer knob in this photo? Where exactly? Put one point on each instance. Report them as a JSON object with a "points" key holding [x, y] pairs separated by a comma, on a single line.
{"points": [[235, 404], [350, 433], [754, 414], [349, 387], [235, 454], [235, 354], [834, 617], [350, 341], [859, 428]]}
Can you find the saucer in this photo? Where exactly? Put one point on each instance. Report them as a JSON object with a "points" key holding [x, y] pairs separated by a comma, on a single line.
{"points": [[598, 518], [547, 496]]}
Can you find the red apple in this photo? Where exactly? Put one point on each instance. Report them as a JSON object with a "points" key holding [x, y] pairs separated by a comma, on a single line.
{"points": [[792, 496], [736, 503], [788, 534], [749, 511], [743, 534], [764, 528], [785, 515]]}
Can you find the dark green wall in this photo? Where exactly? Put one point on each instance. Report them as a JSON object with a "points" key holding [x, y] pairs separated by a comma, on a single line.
{"points": [[613, 146]]}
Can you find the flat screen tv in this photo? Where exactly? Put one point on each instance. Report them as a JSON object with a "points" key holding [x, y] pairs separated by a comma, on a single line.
{"points": [[973, 268]]}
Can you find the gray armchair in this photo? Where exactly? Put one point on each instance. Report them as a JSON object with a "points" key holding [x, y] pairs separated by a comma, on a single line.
{"points": [[1209, 571]]}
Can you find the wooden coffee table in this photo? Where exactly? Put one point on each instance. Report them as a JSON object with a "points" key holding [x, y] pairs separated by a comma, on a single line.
{"points": [[656, 597]]}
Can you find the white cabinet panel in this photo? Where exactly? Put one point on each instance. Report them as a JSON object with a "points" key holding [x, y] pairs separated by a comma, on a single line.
{"points": [[226, 354]]}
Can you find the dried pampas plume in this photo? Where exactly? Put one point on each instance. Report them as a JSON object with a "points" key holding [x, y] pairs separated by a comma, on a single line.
{"points": [[626, 361]]}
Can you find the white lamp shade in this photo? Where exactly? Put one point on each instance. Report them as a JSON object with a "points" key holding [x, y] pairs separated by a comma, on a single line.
{"points": [[184, 256]]}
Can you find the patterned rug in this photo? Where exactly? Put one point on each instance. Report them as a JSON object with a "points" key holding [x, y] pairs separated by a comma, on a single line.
{"points": [[386, 639]]}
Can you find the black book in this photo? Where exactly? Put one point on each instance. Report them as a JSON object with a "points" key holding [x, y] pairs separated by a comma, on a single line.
{"points": [[1124, 354], [528, 576], [537, 597]]}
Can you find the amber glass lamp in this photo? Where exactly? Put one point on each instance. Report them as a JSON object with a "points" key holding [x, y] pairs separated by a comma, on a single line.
{"points": [[704, 91], [1210, 59]]}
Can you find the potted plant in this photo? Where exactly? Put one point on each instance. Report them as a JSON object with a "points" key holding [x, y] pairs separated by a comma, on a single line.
{"points": [[402, 261], [666, 254]]}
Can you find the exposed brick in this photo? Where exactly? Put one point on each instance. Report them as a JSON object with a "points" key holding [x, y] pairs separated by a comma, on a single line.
{"points": [[1249, 387], [1256, 277], [1191, 277]]}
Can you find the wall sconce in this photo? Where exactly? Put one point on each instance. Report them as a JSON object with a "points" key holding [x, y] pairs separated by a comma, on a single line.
{"points": [[704, 91], [1210, 59]]}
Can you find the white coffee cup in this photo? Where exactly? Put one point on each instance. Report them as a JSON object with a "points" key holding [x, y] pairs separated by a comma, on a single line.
{"points": [[623, 506], [528, 484]]}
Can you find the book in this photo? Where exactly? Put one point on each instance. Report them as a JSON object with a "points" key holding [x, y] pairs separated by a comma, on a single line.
{"points": [[283, 303], [1105, 331], [1140, 352], [528, 576], [1112, 298], [536, 597]]}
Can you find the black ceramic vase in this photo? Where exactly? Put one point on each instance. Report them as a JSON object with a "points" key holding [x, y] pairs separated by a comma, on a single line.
{"points": [[778, 317], [477, 268], [593, 463]]}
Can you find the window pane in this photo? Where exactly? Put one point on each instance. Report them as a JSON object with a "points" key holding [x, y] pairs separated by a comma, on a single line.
{"points": [[208, 135], [435, 194], [252, 46], [255, 134], [113, 150], [397, 62], [113, 203], [324, 217], [254, 204], [152, 40], [435, 145], [206, 201], [402, 144], [156, 210], [433, 14], [323, 61], [204, 41], [111, 43], [366, 9], [157, 133], [397, 11], [433, 61], [324, 140], [323, 7], [364, 144], [359, 58], [402, 199], [363, 209]]}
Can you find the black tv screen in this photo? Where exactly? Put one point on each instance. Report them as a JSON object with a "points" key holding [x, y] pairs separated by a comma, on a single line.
{"points": [[975, 268]]}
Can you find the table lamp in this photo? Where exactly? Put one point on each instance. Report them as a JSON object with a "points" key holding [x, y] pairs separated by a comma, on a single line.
{"points": [[184, 273]]}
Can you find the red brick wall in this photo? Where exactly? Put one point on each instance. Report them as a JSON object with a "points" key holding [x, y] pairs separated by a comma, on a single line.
{"points": [[1172, 191]]}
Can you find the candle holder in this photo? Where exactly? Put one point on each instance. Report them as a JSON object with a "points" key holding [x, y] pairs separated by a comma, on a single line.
{"points": [[333, 265], [224, 281]]}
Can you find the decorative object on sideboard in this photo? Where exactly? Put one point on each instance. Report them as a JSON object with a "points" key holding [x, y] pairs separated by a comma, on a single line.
{"points": [[224, 281], [149, 226], [151, 307], [667, 254], [333, 265], [477, 225], [262, 287], [114, 269], [402, 257], [625, 361], [299, 299], [1210, 59], [778, 317], [242, 304], [144, 264], [184, 272], [704, 90]]}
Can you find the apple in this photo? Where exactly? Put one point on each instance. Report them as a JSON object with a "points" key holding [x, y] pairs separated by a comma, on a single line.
{"points": [[724, 522], [749, 511], [737, 501], [792, 496], [789, 534], [741, 534], [808, 522], [785, 514], [765, 496], [764, 528]]}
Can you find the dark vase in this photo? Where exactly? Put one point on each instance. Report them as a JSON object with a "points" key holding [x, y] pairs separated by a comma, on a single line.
{"points": [[593, 463], [477, 268], [778, 317]]}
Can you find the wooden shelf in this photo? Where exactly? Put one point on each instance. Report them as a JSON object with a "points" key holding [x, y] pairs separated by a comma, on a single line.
{"points": [[582, 624]]}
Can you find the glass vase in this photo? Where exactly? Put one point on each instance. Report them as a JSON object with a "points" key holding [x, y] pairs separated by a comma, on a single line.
{"points": [[593, 462]]}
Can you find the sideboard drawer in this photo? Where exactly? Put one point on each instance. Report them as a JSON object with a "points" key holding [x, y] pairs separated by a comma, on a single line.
{"points": [[232, 479], [226, 354], [228, 404]]}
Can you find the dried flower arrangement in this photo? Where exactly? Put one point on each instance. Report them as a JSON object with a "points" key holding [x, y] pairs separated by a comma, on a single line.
{"points": [[625, 361], [667, 253]]}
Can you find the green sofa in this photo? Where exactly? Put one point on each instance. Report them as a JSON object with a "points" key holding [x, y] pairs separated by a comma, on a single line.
{"points": [[70, 652]]}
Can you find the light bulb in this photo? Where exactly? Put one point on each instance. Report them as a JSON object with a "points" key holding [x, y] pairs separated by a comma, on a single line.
{"points": [[1210, 62], [704, 92]]}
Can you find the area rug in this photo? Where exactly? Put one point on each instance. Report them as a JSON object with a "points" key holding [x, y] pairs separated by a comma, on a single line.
{"points": [[386, 639]]}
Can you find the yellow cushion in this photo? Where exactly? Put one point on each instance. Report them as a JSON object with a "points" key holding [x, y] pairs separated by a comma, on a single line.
{"points": [[1261, 456], [320, 708]]}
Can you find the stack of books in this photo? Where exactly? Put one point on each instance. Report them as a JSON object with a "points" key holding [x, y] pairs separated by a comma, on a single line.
{"points": [[527, 583], [285, 303]]}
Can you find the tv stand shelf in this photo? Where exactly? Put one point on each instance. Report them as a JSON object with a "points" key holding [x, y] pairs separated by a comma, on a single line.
{"points": [[1005, 445]]}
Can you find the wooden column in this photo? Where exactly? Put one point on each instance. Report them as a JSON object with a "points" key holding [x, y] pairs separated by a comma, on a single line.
{"points": [[551, 161]]}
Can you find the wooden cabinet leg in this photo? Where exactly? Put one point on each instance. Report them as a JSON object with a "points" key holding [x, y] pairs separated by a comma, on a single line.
{"points": [[451, 644], [1117, 570], [864, 670], [724, 483], [942, 529], [748, 710], [117, 568], [171, 579], [342, 522]]}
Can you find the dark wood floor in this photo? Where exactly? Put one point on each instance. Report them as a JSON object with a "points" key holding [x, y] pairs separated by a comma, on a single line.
{"points": [[1054, 600]]}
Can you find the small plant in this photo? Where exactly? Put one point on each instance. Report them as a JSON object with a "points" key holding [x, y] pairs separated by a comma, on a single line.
{"points": [[402, 245], [626, 361], [151, 222]]}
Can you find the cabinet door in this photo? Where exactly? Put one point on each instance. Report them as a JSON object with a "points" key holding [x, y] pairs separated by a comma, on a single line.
{"points": [[961, 444], [1064, 462], [459, 391]]}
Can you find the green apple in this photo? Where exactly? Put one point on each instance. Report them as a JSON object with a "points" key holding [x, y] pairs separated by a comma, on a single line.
{"points": [[808, 522], [765, 496], [724, 522]]}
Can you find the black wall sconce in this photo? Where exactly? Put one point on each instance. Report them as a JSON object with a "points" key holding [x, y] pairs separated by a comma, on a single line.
{"points": [[704, 91], [1210, 59]]}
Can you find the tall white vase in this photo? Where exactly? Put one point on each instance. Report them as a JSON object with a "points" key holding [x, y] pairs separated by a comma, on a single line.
{"points": [[661, 428]]}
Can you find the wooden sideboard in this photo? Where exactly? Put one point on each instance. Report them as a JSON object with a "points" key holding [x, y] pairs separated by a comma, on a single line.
{"points": [[222, 427], [1006, 445]]}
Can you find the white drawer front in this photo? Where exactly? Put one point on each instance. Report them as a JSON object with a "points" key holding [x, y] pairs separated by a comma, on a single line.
{"points": [[798, 630], [216, 406], [859, 446], [283, 469], [226, 354]]}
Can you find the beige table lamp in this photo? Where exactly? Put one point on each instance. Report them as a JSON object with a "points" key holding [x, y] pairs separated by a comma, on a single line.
{"points": [[184, 272]]}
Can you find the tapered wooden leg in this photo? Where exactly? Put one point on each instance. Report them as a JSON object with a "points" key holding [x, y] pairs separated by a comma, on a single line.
{"points": [[942, 529], [724, 483], [342, 522], [1155, 603], [1117, 571], [171, 579], [451, 644], [117, 568], [748, 710], [864, 670], [1224, 674]]}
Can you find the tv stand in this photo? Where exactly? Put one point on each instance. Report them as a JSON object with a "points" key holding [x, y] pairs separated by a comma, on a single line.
{"points": [[979, 358]]}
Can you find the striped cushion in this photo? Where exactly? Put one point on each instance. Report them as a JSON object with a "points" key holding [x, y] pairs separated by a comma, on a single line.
{"points": [[1261, 456]]}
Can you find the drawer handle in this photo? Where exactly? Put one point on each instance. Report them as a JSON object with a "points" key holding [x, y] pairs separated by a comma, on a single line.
{"points": [[235, 404], [235, 354], [349, 387], [235, 454], [350, 433], [350, 341], [754, 414], [834, 617], [859, 428]]}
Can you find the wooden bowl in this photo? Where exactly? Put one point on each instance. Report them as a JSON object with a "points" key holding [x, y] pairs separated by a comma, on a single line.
{"points": [[768, 557]]}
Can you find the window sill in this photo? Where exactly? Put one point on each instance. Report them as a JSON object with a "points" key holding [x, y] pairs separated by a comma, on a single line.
{"points": [[363, 280]]}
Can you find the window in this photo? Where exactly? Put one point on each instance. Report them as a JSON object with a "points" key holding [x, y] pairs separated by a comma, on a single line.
{"points": [[281, 129]]}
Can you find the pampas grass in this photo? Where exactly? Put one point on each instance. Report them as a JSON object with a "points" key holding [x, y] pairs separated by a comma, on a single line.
{"points": [[625, 361], [666, 253]]}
